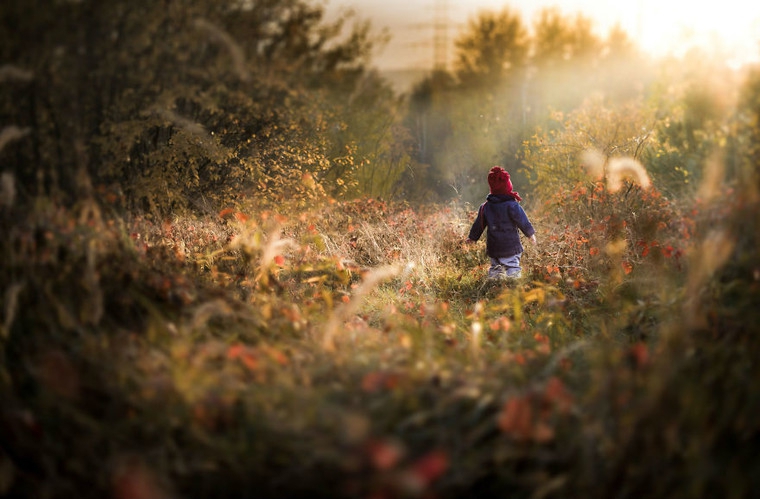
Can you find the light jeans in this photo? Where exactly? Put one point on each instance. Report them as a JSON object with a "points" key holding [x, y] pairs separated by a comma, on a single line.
{"points": [[505, 267]]}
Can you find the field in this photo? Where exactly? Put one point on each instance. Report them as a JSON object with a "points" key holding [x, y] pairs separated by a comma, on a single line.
{"points": [[234, 260], [356, 350]]}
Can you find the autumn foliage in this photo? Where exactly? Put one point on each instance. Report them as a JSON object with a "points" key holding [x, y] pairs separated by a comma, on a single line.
{"points": [[203, 338], [297, 334]]}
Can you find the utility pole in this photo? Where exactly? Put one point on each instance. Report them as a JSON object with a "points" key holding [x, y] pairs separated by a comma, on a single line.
{"points": [[440, 35]]}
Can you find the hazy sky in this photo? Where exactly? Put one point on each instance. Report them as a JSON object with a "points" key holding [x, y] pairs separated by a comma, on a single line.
{"points": [[659, 26]]}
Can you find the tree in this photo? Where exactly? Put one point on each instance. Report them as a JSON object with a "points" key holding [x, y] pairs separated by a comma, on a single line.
{"points": [[492, 50], [692, 100], [743, 151], [554, 158], [472, 119], [623, 72], [566, 54], [509, 84], [226, 103], [429, 122], [562, 42], [369, 145]]}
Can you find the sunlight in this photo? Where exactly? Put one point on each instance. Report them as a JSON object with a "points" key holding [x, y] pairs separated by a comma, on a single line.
{"points": [[238, 263], [675, 27], [730, 29]]}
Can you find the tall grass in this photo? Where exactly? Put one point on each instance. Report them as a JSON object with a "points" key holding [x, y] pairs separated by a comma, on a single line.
{"points": [[355, 350]]}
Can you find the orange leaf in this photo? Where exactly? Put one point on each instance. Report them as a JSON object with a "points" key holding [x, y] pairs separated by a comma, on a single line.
{"points": [[640, 354], [235, 351], [431, 466], [542, 432], [627, 267], [225, 212], [516, 418], [556, 394], [250, 361], [391, 381], [277, 356], [372, 382], [544, 348], [384, 454], [279, 260]]}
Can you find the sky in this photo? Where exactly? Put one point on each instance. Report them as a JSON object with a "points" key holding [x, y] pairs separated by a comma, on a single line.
{"points": [[659, 27]]}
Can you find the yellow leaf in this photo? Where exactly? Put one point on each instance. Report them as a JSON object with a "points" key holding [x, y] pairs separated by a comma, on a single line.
{"points": [[535, 294]]}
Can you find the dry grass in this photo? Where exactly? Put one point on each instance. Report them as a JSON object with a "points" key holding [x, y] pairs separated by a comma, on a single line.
{"points": [[354, 351]]}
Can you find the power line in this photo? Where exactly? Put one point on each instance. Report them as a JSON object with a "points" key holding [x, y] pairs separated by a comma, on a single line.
{"points": [[440, 35], [441, 26]]}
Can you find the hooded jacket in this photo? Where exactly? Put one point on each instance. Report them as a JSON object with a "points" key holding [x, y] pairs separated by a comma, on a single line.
{"points": [[503, 216]]}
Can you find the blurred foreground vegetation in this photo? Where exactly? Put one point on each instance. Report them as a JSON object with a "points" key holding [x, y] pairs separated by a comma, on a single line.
{"points": [[220, 278]]}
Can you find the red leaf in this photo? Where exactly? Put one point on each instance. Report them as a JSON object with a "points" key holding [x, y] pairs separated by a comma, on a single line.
{"points": [[431, 466], [133, 479], [235, 351], [372, 382], [516, 418], [627, 267], [640, 354], [250, 361], [556, 394], [384, 454]]}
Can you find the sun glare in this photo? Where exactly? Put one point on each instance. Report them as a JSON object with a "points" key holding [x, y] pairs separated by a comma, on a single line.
{"points": [[729, 29]]}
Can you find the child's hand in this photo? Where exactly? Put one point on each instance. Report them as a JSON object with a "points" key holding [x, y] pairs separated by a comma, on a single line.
{"points": [[533, 239]]}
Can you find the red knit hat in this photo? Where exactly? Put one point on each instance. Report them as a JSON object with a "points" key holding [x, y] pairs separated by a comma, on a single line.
{"points": [[500, 183]]}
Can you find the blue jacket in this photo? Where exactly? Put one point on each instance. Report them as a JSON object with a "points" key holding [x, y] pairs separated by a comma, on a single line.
{"points": [[503, 216]]}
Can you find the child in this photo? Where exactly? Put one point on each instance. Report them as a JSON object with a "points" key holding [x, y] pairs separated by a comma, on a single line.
{"points": [[503, 216]]}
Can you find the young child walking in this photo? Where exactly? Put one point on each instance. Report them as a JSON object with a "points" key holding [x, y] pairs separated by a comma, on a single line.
{"points": [[503, 216]]}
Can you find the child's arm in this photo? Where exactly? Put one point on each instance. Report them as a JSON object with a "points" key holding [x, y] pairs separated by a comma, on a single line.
{"points": [[478, 226], [521, 221]]}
